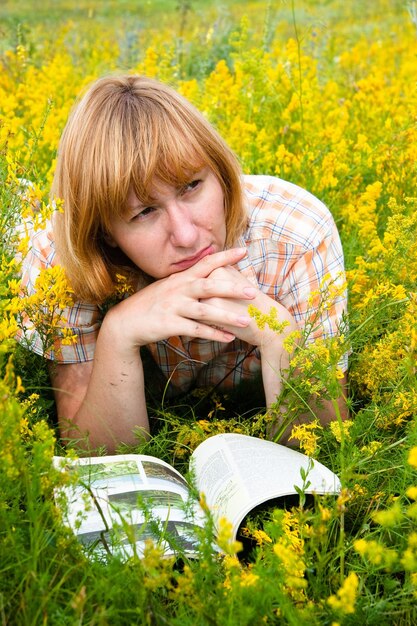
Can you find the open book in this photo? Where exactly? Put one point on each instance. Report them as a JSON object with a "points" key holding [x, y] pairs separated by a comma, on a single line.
{"points": [[120, 501]]}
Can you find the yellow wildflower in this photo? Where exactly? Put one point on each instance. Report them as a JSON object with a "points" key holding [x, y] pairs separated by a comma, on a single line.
{"points": [[412, 493], [345, 599], [307, 435], [261, 537], [224, 538], [340, 430], [372, 447], [248, 578], [412, 457], [377, 553], [390, 517]]}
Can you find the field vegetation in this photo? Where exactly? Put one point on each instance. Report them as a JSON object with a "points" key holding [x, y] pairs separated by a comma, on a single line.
{"points": [[319, 92]]}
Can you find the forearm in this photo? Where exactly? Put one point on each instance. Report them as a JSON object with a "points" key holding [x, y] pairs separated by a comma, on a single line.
{"points": [[113, 408], [323, 410], [274, 360]]}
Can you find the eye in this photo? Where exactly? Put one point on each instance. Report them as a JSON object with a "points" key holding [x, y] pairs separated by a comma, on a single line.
{"points": [[142, 213], [191, 185]]}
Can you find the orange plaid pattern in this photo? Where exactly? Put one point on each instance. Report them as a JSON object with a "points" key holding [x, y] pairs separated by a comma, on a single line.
{"points": [[292, 244]]}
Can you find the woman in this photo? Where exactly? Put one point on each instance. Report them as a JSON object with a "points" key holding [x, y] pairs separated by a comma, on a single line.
{"points": [[152, 193]]}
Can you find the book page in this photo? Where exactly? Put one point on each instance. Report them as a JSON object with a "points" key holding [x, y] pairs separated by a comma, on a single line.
{"points": [[237, 473], [123, 491]]}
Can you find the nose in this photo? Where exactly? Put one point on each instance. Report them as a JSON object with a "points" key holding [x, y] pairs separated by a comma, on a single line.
{"points": [[183, 231]]}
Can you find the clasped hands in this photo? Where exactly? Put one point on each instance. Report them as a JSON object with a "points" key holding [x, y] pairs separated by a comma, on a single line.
{"points": [[208, 300]]}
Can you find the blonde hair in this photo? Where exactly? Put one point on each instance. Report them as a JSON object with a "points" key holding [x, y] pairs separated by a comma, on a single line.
{"points": [[126, 132]]}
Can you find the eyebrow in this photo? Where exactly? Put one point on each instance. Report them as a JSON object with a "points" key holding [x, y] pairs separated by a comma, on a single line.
{"points": [[151, 200], [137, 204]]}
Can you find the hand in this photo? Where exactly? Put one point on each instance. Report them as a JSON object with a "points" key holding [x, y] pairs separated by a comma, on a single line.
{"points": [[274, 358], [186, 303], [250, 332]]}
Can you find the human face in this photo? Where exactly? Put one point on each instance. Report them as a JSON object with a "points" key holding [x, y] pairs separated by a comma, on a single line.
{"points": [[177, 229]]}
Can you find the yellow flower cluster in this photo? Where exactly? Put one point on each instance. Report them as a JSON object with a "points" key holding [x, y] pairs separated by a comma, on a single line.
{"points": [[157, 570], [190, 435], [412, 457], [344, 601], [267, 319], [340, 430], [225, 539], [376, 553], [289, 549], [307, 436], [43, 310]]}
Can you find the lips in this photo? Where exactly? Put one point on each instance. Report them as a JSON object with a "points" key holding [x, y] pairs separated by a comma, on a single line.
{"points": [[192, 260]]}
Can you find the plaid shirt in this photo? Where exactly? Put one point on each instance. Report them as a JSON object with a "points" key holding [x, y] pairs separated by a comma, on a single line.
{"points": [[292, 244]]}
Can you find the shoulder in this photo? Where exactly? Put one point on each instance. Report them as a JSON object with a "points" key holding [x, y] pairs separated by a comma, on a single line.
{"points": [[80, 319], [280, 210], [41, 254], [41, 245]]}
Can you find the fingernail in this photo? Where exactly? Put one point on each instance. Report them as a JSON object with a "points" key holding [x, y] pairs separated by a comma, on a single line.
{"points": [[250, 291], [243, 319]]}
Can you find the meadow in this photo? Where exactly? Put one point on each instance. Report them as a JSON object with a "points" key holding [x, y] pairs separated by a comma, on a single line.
{"points": [[319, 92]]}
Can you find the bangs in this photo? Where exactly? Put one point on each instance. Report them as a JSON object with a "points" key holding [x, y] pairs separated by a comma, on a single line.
{"points": [[170, 166], [172, 156]]}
